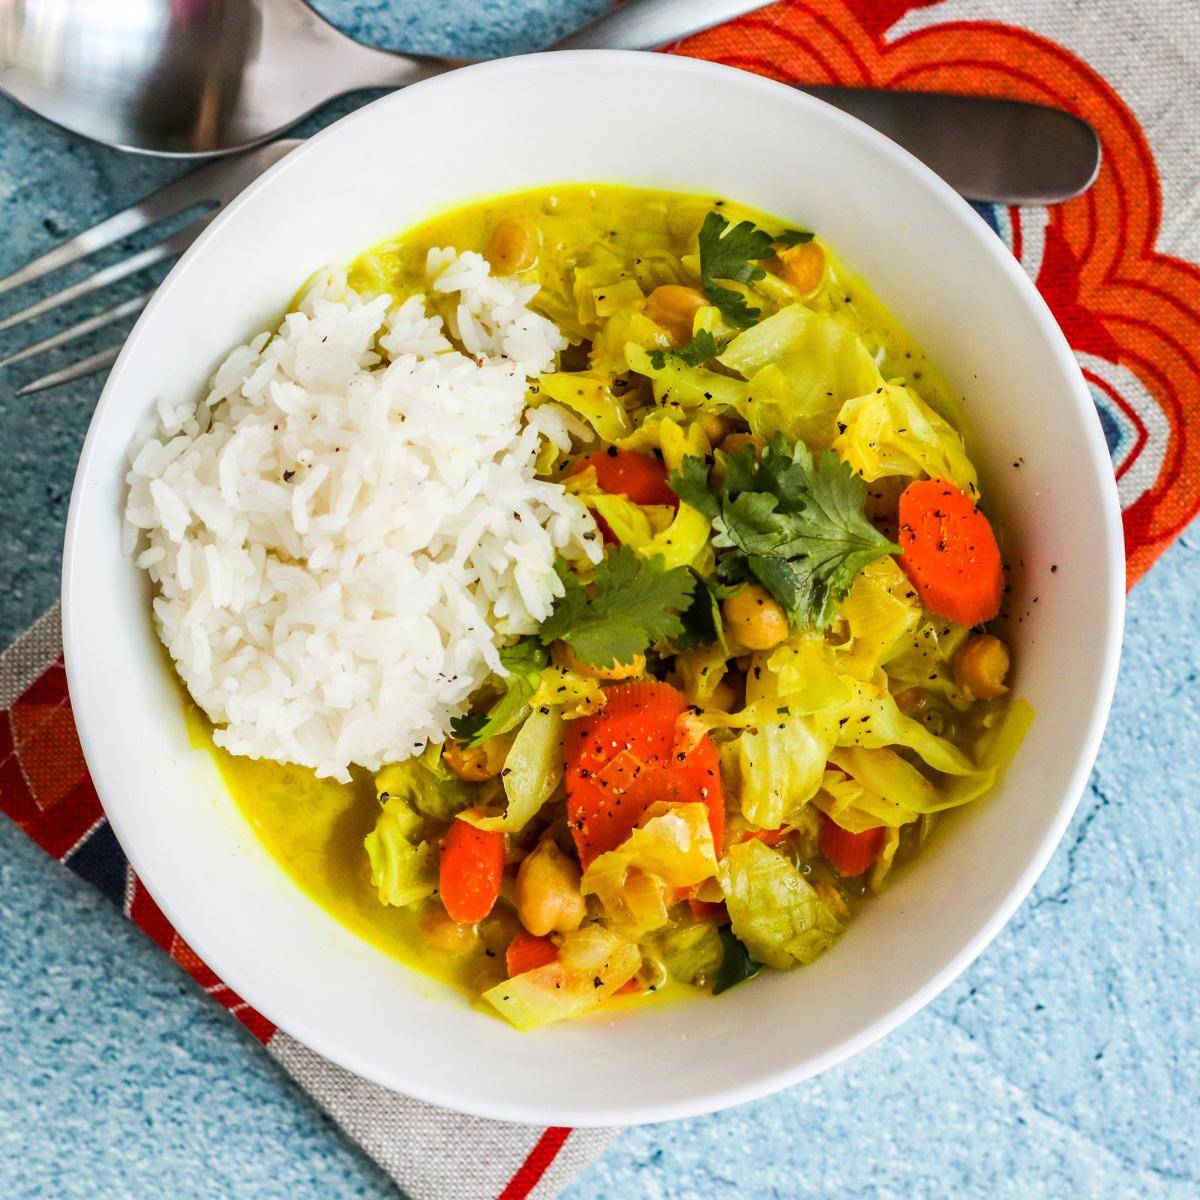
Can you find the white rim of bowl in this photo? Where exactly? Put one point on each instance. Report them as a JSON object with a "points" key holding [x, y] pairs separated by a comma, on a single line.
{"points": [[787, 1076]]}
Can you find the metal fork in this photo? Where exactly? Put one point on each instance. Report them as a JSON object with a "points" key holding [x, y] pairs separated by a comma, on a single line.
{"points": [[207, 190]]}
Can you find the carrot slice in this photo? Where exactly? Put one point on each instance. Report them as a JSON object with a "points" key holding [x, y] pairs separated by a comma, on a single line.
{"points": [[849, 853], [527, 952], [638, 477], [470, 871], [950, 552], [623, 759], [709, 910]]}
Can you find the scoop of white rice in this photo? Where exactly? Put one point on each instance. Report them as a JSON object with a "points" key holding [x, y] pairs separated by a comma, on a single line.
{"points": [[346, 529]]}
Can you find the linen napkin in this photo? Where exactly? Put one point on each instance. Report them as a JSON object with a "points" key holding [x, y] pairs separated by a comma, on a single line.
{"points": [[1118, 269]]}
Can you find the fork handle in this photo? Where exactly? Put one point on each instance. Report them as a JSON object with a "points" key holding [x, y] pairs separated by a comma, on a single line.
{"points": [[645, 24]]}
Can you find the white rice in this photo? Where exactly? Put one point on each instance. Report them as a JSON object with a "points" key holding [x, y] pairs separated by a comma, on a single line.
{"points": [[343, 533]]}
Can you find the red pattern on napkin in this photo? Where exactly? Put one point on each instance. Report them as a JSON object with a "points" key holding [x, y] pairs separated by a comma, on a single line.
{"points": [[1131, 313]]}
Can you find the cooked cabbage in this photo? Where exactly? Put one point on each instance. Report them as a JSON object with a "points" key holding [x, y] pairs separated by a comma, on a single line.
{"points": [[592, 964], [776, 765], [532, 770], [403, 867], [591, 398], [426, 784], [802, 366], [672, 849], [892, 431], [775, 912]]}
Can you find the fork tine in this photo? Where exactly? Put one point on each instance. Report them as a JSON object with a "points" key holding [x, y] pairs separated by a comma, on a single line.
{"points": [[85, 366], [172, 199], [175, 244], [105, 317], [214, 184]]}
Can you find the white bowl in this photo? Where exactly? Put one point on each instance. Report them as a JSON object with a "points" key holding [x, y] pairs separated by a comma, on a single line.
{"points": [[663, 122]]}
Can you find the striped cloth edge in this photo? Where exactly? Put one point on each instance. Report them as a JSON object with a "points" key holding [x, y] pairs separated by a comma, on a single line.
{"points": [[431, 1152]]}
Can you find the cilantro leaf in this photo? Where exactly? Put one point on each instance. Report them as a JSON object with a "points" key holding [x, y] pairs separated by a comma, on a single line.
{"points": [[634, 603], [702, 622], [524, 663], [732, 252], [701, 349], [736, 964], [794, 237], [793, 523], [691, 486], [840, 540]]}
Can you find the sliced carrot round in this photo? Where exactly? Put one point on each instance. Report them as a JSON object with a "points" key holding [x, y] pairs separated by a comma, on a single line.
{"points": [[849, 854], [623, 759], [526, 952], [470, 871], [950, 552], [638, 477]]}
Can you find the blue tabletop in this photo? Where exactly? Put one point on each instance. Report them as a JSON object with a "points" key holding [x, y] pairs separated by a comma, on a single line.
{"points": [[1064, 1063]]}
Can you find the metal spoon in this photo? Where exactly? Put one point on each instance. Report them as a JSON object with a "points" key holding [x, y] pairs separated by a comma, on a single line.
{"points": [[206, 77], [216, 76]]}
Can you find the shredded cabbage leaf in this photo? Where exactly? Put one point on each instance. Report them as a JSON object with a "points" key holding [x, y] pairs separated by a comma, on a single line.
{"points": [[426, 784], [591, 398], [775, 912], [802, 367], [532, 772], [592, 964], [403, 867], [776, 765], [892, 431], [672, 849]]}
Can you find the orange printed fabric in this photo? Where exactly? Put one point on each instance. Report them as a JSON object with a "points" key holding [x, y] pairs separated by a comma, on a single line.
{"points": [[1130, 311]]}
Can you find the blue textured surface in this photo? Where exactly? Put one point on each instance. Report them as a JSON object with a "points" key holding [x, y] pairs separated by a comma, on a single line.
{"points": [[1063, 1064]]}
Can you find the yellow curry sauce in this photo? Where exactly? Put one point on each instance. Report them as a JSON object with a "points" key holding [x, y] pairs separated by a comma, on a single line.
{"points": [[315, 828]]}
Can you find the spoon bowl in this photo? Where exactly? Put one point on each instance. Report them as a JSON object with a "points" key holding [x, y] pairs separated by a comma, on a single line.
{"points": [[206, 77]]}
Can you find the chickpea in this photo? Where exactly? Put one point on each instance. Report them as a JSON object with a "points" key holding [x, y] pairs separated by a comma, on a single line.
{"points": [[548, 895], [980, 666], [512, 247], [714, 427], [754, 618], [476, 764], [739, 441], [674, 307], [802, 266], [445, 934], [499, 928], [566, 657]]}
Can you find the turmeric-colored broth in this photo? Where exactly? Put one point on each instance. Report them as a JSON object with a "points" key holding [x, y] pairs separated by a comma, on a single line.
{"points": [[315, 828]]}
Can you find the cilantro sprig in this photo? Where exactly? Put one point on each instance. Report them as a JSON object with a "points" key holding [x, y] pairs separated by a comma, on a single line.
{"points": [[732, 252], [633, 603], [524, 663], [794, 237], [793, 523], [701, 349]]}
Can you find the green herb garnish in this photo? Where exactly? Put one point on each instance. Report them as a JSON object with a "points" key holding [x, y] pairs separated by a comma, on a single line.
{"points": [[736, 964], [731, 252], [701, 349], [794, 237], [793, 523], [524, 663], [633, 603]]}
